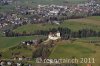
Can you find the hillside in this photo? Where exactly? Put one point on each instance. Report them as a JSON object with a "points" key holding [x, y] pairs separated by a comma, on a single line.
{"points": [[52, 1], [32, 3], [80, 48], [73, 24], [33, 31]]}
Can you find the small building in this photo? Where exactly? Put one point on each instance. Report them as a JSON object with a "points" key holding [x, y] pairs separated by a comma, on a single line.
{"points": [[9, 63]]}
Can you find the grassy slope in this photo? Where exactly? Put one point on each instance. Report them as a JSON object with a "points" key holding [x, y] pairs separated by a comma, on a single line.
{"points": [[74, 25], [7, 42], [91, 20], [97, 18], [10, 41], [71, 50], [77, 49], [23, 52]]}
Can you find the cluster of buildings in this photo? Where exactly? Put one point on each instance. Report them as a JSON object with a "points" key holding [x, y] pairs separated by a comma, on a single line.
{"points": [[6, 2], [10, 19], [30, 42], [12, 63], [48, 13]]}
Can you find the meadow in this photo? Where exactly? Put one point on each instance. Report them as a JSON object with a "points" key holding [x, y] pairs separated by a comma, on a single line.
{"points": [[73, 24], [8, 42], [77, 49], [89, 20]]}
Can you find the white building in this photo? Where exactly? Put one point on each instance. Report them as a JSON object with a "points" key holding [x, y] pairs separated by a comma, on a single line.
{"points": [[54, 36]]}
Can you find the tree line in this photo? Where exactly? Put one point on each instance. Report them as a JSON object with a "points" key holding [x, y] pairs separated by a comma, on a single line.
{"points": [[66, 33]]}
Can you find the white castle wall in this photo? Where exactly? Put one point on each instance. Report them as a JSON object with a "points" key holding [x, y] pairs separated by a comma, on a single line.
{"points": [[54, 37]]}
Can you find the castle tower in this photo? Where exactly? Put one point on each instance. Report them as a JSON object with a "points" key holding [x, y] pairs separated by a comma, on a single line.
{"points": [[50, 35], [58, 34]]}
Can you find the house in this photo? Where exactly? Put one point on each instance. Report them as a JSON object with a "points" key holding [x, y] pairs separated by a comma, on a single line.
{"points": [[30, 42], [9, 63], [19, 64], [2, 63]]}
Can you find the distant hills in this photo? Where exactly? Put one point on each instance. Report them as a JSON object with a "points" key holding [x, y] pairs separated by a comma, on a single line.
{"points": [[36, 2], [51, 1], [7, 5]]}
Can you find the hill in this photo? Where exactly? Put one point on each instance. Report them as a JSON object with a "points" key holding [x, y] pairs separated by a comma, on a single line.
{"points": [[73, 24], [59, 2], [32, 3]]}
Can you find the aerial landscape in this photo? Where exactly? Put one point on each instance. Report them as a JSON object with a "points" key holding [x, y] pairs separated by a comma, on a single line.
{"points": [[49, 32]]}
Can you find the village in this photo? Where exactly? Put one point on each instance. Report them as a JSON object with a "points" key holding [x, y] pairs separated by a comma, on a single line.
{"points": [[47, 14], [29, 50]]}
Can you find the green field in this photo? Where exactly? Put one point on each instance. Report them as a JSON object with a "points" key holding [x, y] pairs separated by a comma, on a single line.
{"points": [[12, 41], [77, 49], [23, 52], [89, 20], [7, 42], [68, 51], [73, 25], [97, 18]]}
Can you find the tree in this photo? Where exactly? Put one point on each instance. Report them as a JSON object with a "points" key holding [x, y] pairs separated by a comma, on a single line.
{"points": [[43, 52], [0, 55]]}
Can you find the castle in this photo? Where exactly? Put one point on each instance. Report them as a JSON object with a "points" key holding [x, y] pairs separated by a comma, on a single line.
{"points": [[54, 36]]}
